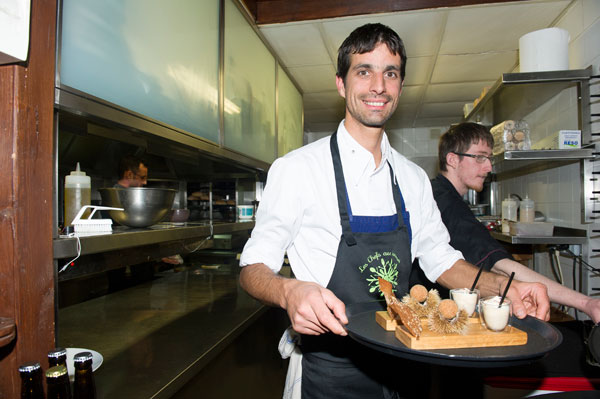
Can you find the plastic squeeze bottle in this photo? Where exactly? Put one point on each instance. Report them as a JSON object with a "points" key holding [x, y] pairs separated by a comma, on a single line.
{"points": [[78, 192], [527, 210], [509, 213]]}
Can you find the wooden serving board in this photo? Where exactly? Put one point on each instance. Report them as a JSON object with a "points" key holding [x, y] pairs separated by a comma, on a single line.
{"points": [[476, 336]]}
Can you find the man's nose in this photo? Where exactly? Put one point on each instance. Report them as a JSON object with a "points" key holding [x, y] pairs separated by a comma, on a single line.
{"points": [[487, 165], [377, 83]]}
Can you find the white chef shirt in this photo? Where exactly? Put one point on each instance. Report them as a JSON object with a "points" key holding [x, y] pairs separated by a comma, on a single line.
{"points": [[298, 213]]}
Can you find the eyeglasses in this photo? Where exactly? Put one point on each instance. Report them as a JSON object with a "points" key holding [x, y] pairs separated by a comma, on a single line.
{"points": [[478, 158]]}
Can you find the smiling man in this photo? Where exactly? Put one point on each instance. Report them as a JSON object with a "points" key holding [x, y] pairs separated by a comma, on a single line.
{"points": [[348, 209]]}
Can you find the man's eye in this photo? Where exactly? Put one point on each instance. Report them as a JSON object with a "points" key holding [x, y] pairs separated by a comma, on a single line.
{"points": [[391, 74], [363, 72]]}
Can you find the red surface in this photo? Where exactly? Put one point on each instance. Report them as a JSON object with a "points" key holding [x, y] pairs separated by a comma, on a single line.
{"points": [[546, 384]]}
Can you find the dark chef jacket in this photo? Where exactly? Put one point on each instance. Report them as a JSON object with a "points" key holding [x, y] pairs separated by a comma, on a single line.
{"points": [[467, 234]]}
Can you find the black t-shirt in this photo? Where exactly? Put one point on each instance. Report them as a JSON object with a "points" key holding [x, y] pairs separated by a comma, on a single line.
{"points": [[467, 234]]}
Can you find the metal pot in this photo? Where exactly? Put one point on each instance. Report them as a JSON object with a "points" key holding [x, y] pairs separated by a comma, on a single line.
{"points": [[142, 206]]}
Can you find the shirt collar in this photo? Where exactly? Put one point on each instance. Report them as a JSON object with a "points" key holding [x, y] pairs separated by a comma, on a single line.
{"points": [[359, 162]]}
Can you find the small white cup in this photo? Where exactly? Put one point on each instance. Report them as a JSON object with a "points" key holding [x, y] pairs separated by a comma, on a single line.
{"points": [[465, 299], [493, 317]]}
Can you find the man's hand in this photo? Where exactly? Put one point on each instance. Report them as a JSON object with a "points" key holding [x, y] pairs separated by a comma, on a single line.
{"points": [[529, 299], [526, 298], [313, 309], [592, 309]]}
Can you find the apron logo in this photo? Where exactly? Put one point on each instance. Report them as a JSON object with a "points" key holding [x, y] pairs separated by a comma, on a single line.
{"points": [[384, 265]]}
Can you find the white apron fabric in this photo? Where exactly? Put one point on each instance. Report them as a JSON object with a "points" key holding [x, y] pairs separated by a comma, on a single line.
{"points": [[289, 348]]}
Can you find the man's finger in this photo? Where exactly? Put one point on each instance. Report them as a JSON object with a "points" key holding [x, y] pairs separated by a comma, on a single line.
{"points": [[518, 308], [337, 307]]}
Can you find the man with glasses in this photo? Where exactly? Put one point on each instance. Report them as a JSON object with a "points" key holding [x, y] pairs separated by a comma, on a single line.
{"points": [[465, 152]]}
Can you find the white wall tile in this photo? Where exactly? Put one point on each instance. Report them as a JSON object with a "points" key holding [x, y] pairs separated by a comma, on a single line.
{"points": [[591, 11], [573, 20], [591, 38]]}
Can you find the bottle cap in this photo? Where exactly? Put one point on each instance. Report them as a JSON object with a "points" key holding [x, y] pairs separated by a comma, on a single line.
{"points": [[56, 371], [77, 171], [29, 367], [57, 352], [82, 357]]}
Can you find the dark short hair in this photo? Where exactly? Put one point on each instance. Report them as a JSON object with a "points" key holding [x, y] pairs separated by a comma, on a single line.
{"points": [[129, 162], [459, 138], [363, 40]]}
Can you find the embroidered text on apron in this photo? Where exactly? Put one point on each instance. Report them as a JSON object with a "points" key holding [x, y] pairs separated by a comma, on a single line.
{"points": [[335, 366]]}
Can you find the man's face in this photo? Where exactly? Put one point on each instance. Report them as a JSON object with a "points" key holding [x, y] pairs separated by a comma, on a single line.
{"points": [[469, 172], [372, 87], [140, 178]]}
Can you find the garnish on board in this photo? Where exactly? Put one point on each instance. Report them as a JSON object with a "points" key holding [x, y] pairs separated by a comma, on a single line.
{"points": [[421, 301], [448, 318], [399, 311]]}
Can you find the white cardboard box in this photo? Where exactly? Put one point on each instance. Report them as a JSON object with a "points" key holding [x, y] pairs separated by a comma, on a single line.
{"points": [[569, 139]]}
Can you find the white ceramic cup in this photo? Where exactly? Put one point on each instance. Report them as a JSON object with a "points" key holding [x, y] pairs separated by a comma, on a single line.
{"points": [[493, 317], [465, 299]]}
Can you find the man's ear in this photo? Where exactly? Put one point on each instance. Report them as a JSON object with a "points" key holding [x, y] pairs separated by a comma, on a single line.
{"points": [[452, 160], [339, 82]]}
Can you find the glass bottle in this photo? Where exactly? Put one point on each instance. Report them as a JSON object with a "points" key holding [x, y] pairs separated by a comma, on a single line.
{"points": [[84, 387], [57, 381], [31, 381], [57, 357]]}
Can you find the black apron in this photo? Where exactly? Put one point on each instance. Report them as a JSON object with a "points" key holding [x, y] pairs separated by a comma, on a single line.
{"points": [[338, 367]]}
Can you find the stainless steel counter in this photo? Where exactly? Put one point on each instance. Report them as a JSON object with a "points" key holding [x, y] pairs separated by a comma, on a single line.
{"points": [[156, 336], [562, 235]]}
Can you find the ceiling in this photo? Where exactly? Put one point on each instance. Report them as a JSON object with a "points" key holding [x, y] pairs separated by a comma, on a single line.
{"points": [[453, 53]]}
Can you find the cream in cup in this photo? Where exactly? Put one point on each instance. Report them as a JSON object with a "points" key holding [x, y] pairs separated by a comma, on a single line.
{"points": [[495, 318], [465, 299]]}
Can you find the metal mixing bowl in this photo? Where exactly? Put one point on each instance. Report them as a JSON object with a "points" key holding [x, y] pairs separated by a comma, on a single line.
{"points": [[143, 206]]}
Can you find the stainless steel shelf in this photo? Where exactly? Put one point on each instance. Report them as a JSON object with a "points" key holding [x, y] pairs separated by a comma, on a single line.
{"points": [[123, 237], [546, 155], [562, 235], [515, 95]]}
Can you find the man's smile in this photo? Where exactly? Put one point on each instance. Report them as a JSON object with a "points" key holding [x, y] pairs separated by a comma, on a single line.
{"points": [[376, 102]]}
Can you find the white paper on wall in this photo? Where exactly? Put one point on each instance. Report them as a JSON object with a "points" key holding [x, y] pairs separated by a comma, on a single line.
{"points": [[14, 30]]}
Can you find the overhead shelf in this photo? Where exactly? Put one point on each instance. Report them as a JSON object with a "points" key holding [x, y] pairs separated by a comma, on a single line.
{"points": [[515, 95], [546, 155]]}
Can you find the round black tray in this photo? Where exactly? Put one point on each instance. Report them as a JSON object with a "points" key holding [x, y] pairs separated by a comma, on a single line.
{"points": [[541, 338]]}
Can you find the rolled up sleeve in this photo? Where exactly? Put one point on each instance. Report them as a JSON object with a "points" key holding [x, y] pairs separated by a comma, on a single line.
{"points": [[278, 217]]}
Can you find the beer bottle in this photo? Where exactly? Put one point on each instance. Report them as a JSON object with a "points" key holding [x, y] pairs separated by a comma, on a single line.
{"points": [[57, 381], [57, 357], [84, 387], [31, 381]]}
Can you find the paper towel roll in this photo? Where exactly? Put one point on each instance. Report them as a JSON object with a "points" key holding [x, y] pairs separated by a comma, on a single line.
{"points": [[544, 50]]}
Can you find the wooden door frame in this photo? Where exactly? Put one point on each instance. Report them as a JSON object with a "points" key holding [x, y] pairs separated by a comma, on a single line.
{"points": [[26, 199]]}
